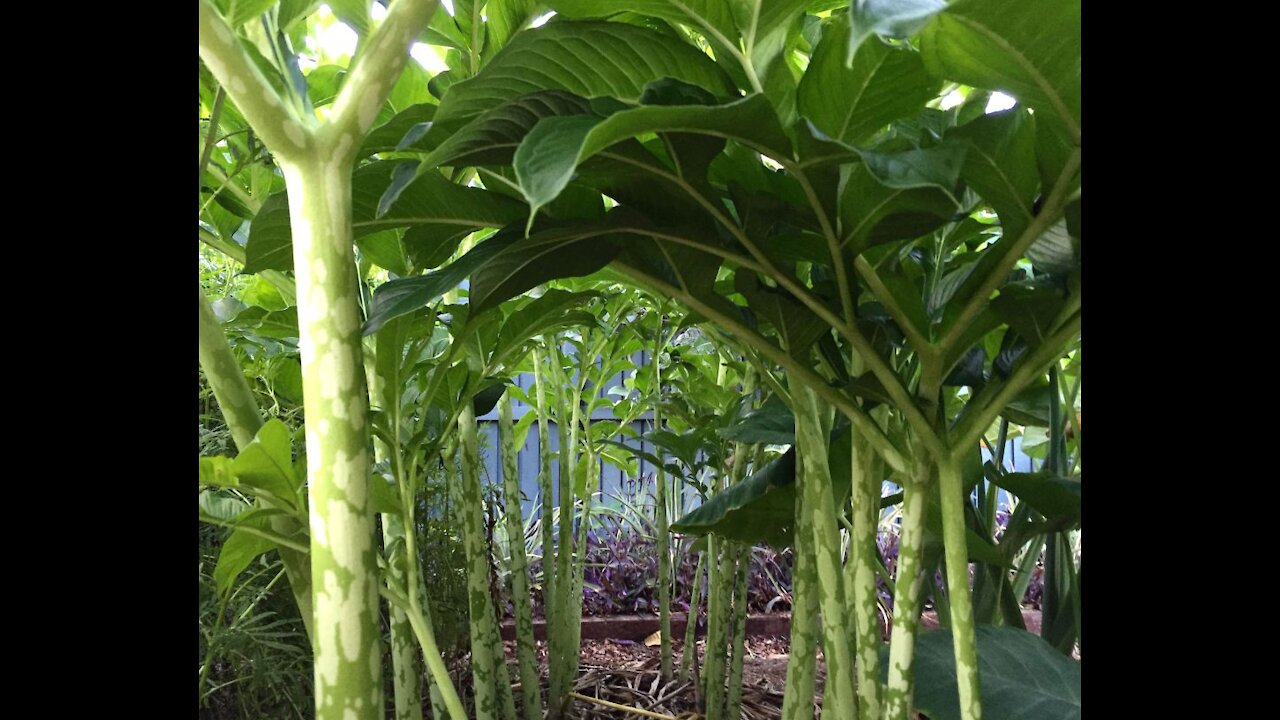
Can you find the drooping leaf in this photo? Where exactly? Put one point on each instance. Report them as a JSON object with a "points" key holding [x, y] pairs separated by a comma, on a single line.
{"points": [[429, 200], [1001, 165], [270, 246], [1028, 50], [871, 212], [761, 508], [588, 59], [772, 423], [1056, 498], [546, 255], [851, 104], [403, 296], [548, 155], [267, 463], [492, 138], [403, 130], [937, 166], [1054, 251], [1021, 677], [1030, 311], [237, 552], [888, 18]]}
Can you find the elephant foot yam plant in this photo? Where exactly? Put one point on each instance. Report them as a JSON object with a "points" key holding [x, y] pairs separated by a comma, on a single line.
{"points": [[869, 211]]}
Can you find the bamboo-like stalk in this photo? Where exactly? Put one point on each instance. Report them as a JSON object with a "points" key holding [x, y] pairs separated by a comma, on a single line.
{"points": [[733, 703], [405, 669], [544, 491], [483, 624], [235, 399], [860, 574], [529, 682], [797, 702], [713, 665], [660, 501], [813, 430], [906, 600], [689, 656], [317, 161], [959, 596], [558, 637]]}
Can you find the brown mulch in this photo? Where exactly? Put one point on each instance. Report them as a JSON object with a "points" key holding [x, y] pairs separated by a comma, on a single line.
{"points": [[627, 673]]}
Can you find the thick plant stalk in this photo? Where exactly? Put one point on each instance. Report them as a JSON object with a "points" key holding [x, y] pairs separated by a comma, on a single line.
{"points": [[558, 639], [405, 669], [406, 672], [544, 492], [802, 664], [571, 588], [580, 564], [906, 600], [317, 164], [963, 634], [733, 703], [713, 665], [484, 626], [529, 682], [689, 655], [861, 576], [813, 430], [664, 546], [231, 390]]}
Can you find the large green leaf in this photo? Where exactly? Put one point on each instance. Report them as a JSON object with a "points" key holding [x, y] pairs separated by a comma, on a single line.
{"points": [[1020, 675], [1001, 165], [428, 201], [492, 138], [403, 130], [589, 59], [549, 154], [237, 552], [872, 212], [888, 18], [1057, 498], [758, 509], [401, 297], [270, 246], [1030, 50], [266, 464], [708, 17], [852, 104], [553, 310], [772, 423], [545, 255]]}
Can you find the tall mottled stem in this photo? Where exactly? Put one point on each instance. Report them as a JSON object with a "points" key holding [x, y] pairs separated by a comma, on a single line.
{"points": [[348, 642], [231, 390], [544, 492], [317, 162], [405, 668], [529, 682], [713, 655], [861, 573], [813, 429], [963, 634], [797, 702], [558, 634], [484, 626], [664, 546], [691, 621], [906, 601], [733, 703]]}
